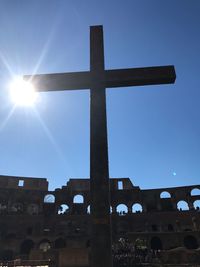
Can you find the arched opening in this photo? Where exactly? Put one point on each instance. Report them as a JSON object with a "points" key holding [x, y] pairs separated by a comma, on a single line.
{"points": [[60, 243], [122, 209], [182, 205], [165, 194], [195, 192], [49, 198], [156, 243], [33, 209], [63, 209], [196, 204], [78, 199], [190, 242], [44, 245], [137, 208], [26, 246]]}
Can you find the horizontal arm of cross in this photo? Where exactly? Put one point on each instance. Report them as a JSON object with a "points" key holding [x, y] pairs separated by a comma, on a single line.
{"points": [[109, 78], [60, 81], [140, 76]]}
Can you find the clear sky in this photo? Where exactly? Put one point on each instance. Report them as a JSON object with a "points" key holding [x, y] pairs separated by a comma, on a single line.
{"points": [[153, 131]]}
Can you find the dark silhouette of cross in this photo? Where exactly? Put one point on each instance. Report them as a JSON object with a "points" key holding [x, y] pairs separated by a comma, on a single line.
{"points": [[97, 80]]}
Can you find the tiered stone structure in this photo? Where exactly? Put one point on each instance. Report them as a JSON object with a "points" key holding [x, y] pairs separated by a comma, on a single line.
{"points": [[36, 223]]}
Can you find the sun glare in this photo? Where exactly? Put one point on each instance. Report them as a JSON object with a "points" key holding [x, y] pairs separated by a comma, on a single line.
{"points": [[22, 92]]}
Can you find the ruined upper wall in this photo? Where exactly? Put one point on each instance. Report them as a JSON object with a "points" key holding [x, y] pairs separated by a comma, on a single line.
{"points": [[76, 195], [14, 182], [84, 184]]}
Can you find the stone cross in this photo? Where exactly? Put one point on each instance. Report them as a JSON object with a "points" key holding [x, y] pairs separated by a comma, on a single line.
{"points": [[97, 80]]}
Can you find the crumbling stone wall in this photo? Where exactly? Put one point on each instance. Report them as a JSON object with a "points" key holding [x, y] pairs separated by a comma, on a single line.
{"points": [[34, 219]]}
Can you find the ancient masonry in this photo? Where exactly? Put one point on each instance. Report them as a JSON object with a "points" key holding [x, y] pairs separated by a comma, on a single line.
{"points": [[36, 223]]}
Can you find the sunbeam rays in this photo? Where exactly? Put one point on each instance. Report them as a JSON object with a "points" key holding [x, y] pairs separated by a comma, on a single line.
{"points": [[5, 121]]}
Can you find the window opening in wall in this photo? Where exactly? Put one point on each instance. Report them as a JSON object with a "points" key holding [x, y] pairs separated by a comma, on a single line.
{"points": [[78, 199], [182, 205], [165, 194], [120, 185], [196, 204], [137, 208], [49, 198], [195, 192], [63, 209], [122, 209], [21, 183]]}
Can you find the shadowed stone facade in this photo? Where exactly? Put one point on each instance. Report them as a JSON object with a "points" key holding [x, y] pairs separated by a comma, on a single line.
{"points": [[36, 223]]}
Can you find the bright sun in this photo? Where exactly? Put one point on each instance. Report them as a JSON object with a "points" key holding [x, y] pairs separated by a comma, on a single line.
{"points": [[22, 92]]}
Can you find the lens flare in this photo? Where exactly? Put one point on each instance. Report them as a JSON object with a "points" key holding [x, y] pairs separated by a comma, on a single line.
{"points": [[22, 92]]}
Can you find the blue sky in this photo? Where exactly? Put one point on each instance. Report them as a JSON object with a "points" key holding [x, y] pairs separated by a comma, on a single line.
{"points": [[153, 131]]}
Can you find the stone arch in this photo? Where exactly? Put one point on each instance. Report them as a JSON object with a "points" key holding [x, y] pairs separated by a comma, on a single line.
{"points": [[63, 209], [33, 209], [182, 205], [26, 246], [165, 194], [49, 198], [156, 243], [195, 192], [137, 207], [196, 204], [190, 242], [60, 243], [44, 245], [78, 199], [122, 209]]}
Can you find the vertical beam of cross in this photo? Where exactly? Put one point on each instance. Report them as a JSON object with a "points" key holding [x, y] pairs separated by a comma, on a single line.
{"points": [[101, 254]]}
